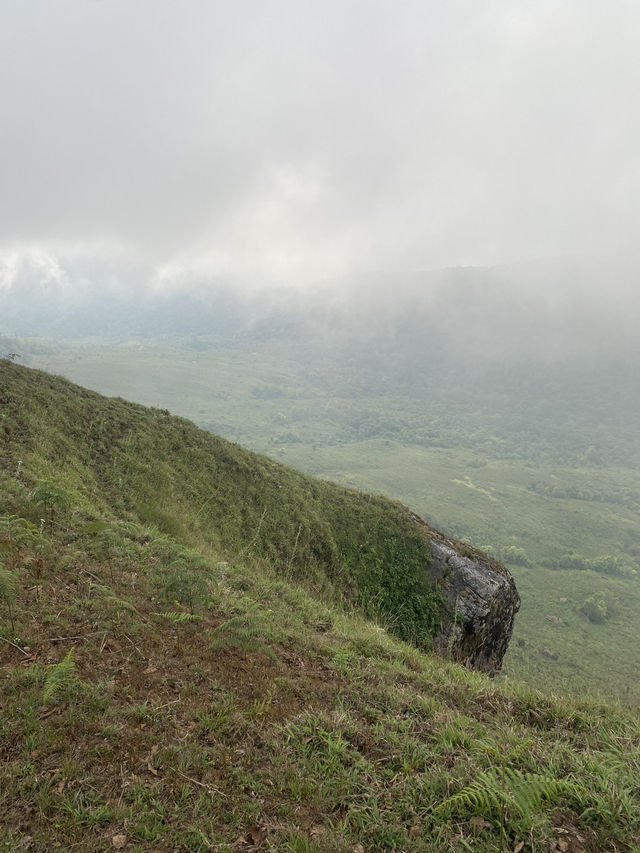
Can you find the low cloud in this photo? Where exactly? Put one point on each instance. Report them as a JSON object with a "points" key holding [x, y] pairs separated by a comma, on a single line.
{"points": [[294, 141]]}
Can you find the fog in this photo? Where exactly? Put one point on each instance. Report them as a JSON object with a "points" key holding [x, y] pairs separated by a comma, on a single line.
{"points": [[453, 186], [297, 142]]}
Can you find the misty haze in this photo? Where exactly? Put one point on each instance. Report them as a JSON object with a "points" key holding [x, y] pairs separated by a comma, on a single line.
{"points": [[383, 258]]}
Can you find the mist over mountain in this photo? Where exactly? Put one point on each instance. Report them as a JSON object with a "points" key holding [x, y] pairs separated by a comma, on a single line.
{"points": [[545, 352]]}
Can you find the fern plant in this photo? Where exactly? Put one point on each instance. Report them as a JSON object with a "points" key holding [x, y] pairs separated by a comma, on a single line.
{"points": [[507, 795], [51, 496], [19, 537], [60, 677], [244, 632], [112, 599], [179, 618], [187, 585], [8, 586]]}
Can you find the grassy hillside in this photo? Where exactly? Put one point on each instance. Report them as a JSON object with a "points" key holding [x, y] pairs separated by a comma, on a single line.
{"points": [[526, 483], [75, 446], [168, 685]]}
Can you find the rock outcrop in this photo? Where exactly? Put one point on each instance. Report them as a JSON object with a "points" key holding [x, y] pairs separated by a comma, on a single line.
{"points": [[482, 598]]}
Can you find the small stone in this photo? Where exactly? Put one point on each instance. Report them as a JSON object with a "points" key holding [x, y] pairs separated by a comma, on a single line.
{"points": [[547, 653]]}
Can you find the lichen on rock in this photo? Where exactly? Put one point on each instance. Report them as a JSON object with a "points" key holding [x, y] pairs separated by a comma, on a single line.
{"points": [[482, 599]]}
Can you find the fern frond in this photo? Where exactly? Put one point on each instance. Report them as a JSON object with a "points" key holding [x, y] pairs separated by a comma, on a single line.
{"points": [[8, 585], [531, 789], [506, 794], [480, 796], [60, 677], [113, 598], [243, 632], [179, 618]]}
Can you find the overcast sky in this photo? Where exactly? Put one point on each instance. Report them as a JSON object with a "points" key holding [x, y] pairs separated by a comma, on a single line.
{"points": [[299, 140]]}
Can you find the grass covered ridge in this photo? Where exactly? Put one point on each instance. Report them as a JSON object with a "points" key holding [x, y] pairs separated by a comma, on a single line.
{"points": [[168, 685], [109, 456]]}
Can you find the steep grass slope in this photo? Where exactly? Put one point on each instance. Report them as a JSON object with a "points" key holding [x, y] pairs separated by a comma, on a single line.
{"points": [[176, 689], [162, 470]]}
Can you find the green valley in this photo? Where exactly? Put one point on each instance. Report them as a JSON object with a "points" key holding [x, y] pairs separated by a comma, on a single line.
{"points": [[530, 500]]}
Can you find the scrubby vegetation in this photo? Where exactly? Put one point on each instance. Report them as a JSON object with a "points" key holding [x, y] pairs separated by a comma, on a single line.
{"points": [[178, 678]]}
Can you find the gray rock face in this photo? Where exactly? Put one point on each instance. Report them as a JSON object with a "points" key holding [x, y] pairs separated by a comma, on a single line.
{"points": [[483, 601]]}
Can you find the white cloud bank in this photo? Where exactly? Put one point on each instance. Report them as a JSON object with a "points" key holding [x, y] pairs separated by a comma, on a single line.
{"points": [[285, 141]]}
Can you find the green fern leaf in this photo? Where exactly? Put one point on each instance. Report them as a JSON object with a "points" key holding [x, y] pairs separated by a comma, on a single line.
{"points": [[506, 794], [179, 618], [8, 585], [243, 632], [112, 598], [60, 677]]}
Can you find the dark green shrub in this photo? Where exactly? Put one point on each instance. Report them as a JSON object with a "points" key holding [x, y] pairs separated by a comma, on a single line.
{"points": [[598, 608]]}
